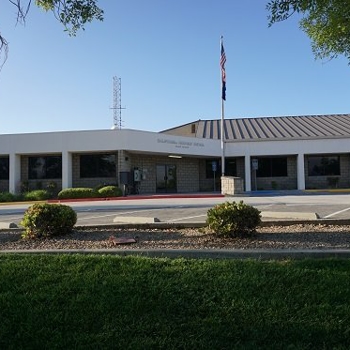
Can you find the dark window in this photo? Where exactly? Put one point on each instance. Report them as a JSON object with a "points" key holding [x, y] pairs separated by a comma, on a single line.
{"points": [[193, 128], [230, 167], [209, 173], [272, 167], [47, 167], [4, 168], [97, 165], [323, 166]]}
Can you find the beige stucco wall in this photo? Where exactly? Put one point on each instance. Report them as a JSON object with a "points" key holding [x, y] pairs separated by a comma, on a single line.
{"points": [[184, 130]]}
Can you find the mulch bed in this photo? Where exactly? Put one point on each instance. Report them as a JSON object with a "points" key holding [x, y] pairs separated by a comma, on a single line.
{"points": [[302, 236]]}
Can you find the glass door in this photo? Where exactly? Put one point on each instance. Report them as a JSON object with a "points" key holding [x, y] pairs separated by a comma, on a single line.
{"points": [[166, 178]]}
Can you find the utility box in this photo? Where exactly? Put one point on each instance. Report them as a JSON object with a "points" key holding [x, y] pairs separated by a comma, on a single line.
{"points": [[124, 178]]}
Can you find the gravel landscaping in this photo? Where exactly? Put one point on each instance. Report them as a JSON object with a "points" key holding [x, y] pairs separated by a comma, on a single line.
{"points": [[301, 236]]}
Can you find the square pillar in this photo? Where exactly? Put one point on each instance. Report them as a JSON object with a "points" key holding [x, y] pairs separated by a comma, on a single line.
{"points": [[301, 171], [15, 173], [248, 170], [123, 161], [67, 170]]}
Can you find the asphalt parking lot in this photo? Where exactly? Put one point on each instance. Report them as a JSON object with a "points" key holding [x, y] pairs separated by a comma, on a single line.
{"points": [[193, 209]]}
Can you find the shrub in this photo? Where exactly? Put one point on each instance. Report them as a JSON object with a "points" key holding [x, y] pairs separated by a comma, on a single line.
{"points": [[51, 187], [24, 186], [37, 195], [46, 220], [233, 219], [79, 192], [110, 191], [105, 185], [8, 197]]}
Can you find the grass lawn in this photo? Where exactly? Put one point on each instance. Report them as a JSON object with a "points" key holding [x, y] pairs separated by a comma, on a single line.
{"points": [[111, 302]]}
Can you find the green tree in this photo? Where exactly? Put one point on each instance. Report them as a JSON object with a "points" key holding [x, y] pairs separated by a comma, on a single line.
{"points": [[326, 22], [73, 14]]}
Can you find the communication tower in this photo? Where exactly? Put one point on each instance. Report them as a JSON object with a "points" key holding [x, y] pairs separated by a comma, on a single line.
{"points": [[117, 103]]}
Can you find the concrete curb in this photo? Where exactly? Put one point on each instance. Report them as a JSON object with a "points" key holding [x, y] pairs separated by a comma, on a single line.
{"points": [[288, 215], [265, 215], [258, 254], [135, 219], [177, 225], [139, 196]]}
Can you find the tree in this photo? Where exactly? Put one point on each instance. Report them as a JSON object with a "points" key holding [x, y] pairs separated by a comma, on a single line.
{"points": [[73, 14], [326, 22]]}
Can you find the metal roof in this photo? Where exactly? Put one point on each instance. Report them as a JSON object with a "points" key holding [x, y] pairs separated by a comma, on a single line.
{"points": [[276, 128]]}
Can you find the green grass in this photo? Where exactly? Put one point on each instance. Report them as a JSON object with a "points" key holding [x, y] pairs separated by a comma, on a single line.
{"points": [[111, 302]]}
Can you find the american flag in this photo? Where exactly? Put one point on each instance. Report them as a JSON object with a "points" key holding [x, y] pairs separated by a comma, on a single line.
{"points": [[223, 72]]}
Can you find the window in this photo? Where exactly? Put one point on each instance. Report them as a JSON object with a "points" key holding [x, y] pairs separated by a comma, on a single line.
{"points": [[323, 165], [97, 165], [211, 164], [230, 167], [4, 168], [47, 167], [272, 167], [193, 128]]}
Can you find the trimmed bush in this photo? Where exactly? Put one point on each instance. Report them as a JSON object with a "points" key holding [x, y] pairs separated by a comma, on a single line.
{"points": [[9, 197], [37, 195], [46, 220], [110, 191], [104, 185], [79, 192], [51, 187], [233, 219]]}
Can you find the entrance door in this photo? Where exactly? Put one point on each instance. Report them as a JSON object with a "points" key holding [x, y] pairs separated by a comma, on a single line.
{"points": [[166, 178]]}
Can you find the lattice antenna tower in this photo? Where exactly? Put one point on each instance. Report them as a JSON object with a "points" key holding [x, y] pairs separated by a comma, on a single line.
{"points": [[117, 103]]}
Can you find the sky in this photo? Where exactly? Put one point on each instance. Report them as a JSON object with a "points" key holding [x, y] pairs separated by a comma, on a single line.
{"points": [[167, 54]]}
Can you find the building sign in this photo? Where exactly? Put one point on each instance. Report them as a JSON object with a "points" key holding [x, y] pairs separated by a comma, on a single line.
{"points": [[180, 144]]}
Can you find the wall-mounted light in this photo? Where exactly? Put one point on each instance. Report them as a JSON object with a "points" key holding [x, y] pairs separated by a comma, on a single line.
{"points": [[174, 156]]}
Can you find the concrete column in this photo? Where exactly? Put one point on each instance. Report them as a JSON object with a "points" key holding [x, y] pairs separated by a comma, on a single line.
{"points": [[123, 161], [301, 171], [15, 172], [248, 179], [67, 170]]}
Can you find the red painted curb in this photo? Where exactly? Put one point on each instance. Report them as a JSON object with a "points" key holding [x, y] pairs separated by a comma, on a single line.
{"points": [[135, 197]]}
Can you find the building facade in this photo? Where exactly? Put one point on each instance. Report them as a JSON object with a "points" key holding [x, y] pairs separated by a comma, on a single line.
{"points": [[303, 152]]}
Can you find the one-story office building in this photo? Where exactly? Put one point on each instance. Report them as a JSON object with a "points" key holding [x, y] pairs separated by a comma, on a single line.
{"points": [[292, 153]]}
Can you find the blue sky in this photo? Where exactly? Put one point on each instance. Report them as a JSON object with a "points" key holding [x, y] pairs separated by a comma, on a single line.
{"points": [[167, 56]]}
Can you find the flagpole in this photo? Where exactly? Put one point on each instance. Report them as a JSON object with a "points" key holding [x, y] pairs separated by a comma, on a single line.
{"points": [[223, 97], [222, 139]]}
